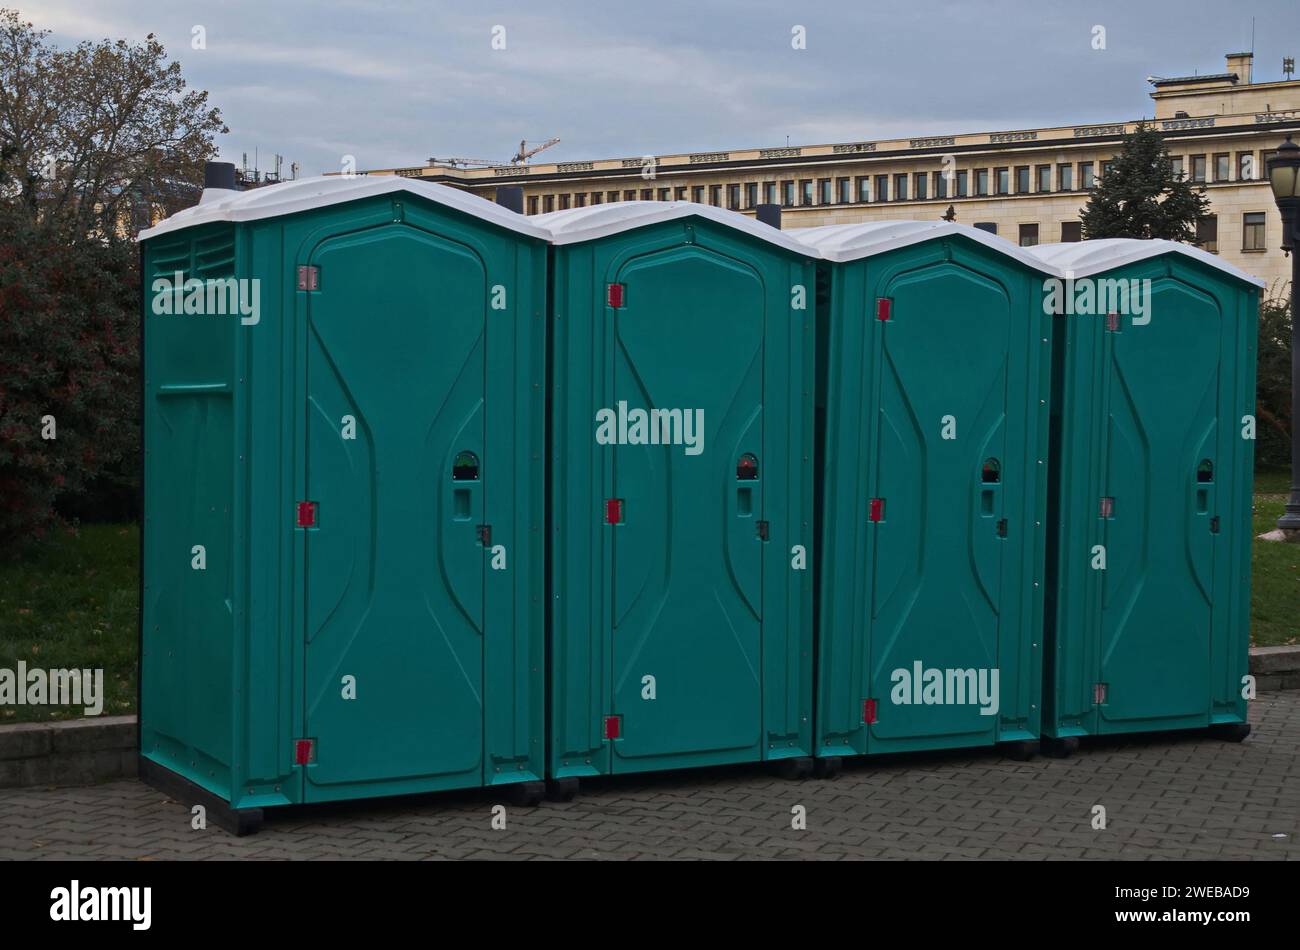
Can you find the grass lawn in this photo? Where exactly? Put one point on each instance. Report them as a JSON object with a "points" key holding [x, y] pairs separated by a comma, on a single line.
{"points": [[73, 604], [1274, 569]]}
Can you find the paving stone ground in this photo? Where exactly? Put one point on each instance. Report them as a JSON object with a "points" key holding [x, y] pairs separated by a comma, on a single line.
{"points": [[1165, 798]]}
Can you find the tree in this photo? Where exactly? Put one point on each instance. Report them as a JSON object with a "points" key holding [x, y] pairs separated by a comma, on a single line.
{"points": [[1273, 386], [94, 137], [1142, 197]]}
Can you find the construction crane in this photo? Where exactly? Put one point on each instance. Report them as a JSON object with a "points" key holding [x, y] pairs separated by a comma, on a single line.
{"points": [[520, 157]]}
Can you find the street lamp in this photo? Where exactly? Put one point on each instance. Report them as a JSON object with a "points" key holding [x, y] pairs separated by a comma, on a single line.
{"points": [[1284, 176]]}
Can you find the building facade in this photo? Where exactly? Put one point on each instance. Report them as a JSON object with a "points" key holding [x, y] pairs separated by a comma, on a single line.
{"points": [[1028, 184]]}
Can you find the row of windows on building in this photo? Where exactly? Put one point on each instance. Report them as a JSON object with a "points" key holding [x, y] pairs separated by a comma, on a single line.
{"points": [[1207, 232], [901, 186]]}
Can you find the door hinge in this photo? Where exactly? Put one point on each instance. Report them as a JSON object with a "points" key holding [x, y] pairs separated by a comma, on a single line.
{"points": [[1002, 528], [764, 530], [614, 295], [308, 277], [484, 532], [1214, 525], [884, 308], [1098, 694]]}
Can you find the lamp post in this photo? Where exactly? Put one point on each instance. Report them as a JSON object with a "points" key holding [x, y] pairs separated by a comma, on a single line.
{"points": [[1284, 176]]}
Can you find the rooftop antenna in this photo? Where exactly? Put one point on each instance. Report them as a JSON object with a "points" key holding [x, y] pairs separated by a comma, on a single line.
{"points": [[1288, 67]]}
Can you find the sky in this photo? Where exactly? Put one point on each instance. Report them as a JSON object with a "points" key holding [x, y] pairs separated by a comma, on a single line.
{"points": [[394, 83]]}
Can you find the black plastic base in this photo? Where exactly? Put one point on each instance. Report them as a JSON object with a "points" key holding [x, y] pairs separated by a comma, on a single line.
{"points": [[527, 794], [800, 767], [562, 789], [828, 767], [1060, 748], [1022, 750], [1230, 731], [237, 821]]}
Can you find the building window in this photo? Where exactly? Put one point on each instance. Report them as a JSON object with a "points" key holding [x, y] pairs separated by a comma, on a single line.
{"points": [[596, 197], [697, 194], [920, 184], [882, 187], [665, 194], [941, 184], [1028, 232], [982, 182], [611, 196], [715, 195], [580, 200], [1222, 166], [532, 204], [1198, 168], [1004, 180], [548, 203], [1071, 231], [680, 193], [1176, 165], [787, 194], [1044, 177], [1245, 166], [733, 197], [1252, 231], [629, 195], [806, 192], [1207, 233], [1022, 180], [751, 194], [1086, 178], [1106, 167], [864, 188], [845, 190], [824, 194], [963, 184], [1065, 177], [900, 187], [564, 202], [647, 194], [769, 193]]}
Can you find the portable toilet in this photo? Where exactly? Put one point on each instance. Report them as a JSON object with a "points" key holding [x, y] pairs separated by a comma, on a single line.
{"points": [[344, 430], [934, 374], [1148, 610], [682, 491]]}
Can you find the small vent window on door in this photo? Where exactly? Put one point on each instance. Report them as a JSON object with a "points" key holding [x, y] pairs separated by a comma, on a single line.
{"points": [[465, 468]]}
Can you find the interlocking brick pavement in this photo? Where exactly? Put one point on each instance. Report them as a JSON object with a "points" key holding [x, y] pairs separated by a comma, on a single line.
{"points": [[1165, 797]]}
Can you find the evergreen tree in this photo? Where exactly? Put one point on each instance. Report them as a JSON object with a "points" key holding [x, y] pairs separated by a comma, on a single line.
{"points": [[1142, 197]]}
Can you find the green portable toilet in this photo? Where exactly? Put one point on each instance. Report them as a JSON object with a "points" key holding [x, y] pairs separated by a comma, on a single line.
{"points": [[1148, 610], [681, 506], [344, 507], [934, 363]]}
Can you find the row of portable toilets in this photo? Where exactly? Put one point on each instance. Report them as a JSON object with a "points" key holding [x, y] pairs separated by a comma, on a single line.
{"points": [[441, 496]]}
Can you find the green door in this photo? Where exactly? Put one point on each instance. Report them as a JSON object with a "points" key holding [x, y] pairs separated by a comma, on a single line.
{"points": [[396, 336], [1160, 509], [686, 619], [941, 472]]}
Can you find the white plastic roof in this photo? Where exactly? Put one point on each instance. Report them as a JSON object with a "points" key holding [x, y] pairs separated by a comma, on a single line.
{"points": [[851, 242], [1085, 258], [596, 221], [305, 194]]}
